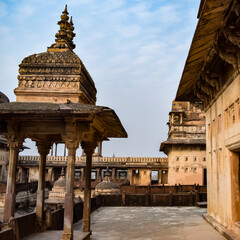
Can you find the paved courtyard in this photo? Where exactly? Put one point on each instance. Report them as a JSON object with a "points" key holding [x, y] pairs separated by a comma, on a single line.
{"points": [[150, 223]]}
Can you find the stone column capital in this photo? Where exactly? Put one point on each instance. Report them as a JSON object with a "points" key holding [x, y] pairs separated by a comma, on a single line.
{"points": [[72, 144], [43, 147], [88, 147], [13, 140]]}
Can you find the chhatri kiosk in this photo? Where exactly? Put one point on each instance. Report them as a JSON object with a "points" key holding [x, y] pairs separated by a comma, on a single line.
{"points": [[55, 103]]}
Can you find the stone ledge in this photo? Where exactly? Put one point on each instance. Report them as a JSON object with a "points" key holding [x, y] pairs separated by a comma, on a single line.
{"points": [[57, 235], [220, 228]]}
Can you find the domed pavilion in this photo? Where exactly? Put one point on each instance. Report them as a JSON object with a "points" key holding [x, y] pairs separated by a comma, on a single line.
{"points": [[55, 103]]}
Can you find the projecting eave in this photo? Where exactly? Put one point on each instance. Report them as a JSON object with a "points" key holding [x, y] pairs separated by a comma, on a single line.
{"points": [[181, 142], [34, 111], [212, 18]]}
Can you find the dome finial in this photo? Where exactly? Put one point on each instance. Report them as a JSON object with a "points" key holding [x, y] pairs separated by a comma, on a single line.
{"points": [[65, 10], [65, 35], [62, 172], [71, 34]]}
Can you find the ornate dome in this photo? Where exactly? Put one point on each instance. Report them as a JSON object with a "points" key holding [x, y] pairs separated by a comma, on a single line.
{"points": [[107, 186], [58, 75], [61, 182], [57, 63], [3, 98]]}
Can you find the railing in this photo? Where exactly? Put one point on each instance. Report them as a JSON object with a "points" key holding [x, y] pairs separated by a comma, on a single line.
{"points": [[190, 128], [26, 159]]}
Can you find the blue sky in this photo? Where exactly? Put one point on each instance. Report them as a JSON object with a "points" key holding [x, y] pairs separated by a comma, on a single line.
{"points": [[135, 51]]}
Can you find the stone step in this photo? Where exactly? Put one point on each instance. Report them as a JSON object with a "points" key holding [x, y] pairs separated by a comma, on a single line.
{"points": [[202, 204]]}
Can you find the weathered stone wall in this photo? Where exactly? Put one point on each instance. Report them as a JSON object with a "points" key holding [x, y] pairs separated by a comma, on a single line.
{"points": [[223, 146], [186, 165]]}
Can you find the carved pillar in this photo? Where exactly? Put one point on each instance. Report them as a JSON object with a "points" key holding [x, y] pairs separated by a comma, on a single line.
{"points": [[114, 174], [181, 118], [20, 174], [89, 150], [50, 174], [56, 149], [69, 204], [10, 197], [82, 174], [159, 176], [43, 150], [98, 175], [99, 148]]}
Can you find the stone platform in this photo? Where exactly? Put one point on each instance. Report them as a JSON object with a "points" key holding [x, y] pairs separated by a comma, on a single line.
{"points": [[150, 223]]}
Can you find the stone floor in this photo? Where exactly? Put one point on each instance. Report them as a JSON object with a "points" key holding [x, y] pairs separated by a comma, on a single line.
{"points": [[56, 235], [150, 223]]}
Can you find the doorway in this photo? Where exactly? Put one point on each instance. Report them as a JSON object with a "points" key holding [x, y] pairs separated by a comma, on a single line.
{"points": [[204, 176]]}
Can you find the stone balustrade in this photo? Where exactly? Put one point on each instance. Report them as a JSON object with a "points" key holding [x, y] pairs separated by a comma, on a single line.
{"points": [[57, 159]]}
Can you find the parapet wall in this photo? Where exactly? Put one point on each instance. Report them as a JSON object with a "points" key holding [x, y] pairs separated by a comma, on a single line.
{"points": [[25, 159]]}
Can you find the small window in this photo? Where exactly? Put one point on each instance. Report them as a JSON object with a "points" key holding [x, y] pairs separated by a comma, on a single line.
{"points": [[186, 158], [219, 123], [195, 159], [237, 109], [232, 114], [226, 119], [204, 159], [177, 158], [209, 131], [177, 169], [186, 169], [213, 127], [93, 175], [195, 169]]}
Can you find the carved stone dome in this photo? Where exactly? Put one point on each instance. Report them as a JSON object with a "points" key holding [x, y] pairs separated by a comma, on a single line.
{"points": [[57, 75], [60, 183], [107, 186], [51, 63], [3, 98]]}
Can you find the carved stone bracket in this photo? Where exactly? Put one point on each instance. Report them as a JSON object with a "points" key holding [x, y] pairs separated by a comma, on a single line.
{"points": [[205, 87], [228, 53], [233, 35], [43, 146], [89, 147], [213, 80], [13, 137], [200, 94]]}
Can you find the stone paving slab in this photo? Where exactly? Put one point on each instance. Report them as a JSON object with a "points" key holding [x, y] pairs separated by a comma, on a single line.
{"points": [[151, 223], [57, 235]]}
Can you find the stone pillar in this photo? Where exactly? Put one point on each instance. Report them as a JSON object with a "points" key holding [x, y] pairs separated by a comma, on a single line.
{"points": [[114, 174], [159, 176], [89, 150], [50, 174], [98, 175], [82, 174], [69, 204], [130, 178], [43, 149], [20, 174], [56, 149], [99, 148], [10, 196]]}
